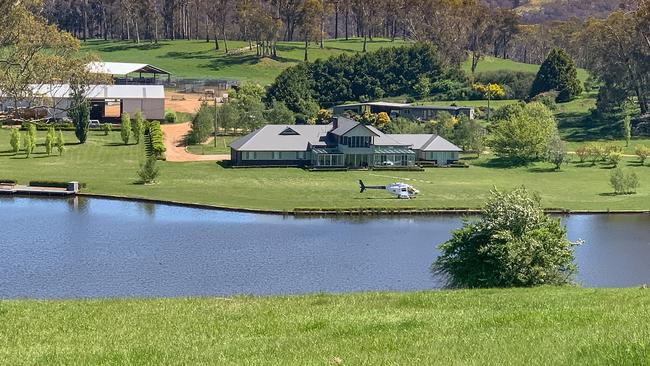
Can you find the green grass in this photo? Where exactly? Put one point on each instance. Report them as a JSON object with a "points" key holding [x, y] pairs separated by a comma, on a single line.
{"points": [[223, 143], [489, 63], [544, 326], [199, 59], [108, 167]]}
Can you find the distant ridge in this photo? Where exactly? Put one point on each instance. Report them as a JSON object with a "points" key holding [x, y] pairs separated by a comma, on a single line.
{"points": [[540, 11]]}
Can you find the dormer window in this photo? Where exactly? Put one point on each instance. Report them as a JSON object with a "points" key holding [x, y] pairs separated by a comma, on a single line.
{"points": [[289, 132]]}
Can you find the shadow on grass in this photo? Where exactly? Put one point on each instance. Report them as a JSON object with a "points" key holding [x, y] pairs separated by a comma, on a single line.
{"points": [[614, 194], [133, 46], [501, 163], [544, 170], [115, 144]]}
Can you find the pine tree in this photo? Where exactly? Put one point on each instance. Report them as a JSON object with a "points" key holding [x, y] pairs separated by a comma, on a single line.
{"points": [[80, 115], [559, 73]]}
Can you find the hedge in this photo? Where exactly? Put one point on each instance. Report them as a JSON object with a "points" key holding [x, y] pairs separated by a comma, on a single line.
{"points": [[52, 184], [156, 139], [63, 126], [8, 181]]}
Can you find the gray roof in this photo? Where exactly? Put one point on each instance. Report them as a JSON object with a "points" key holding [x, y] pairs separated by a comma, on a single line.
{"points": [[440, 108], [270, 138], [426, 142], [345, 125], [101, 91], [383, 139]]}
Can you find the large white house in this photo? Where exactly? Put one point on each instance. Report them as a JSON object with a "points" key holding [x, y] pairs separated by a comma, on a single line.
{"points": [[342, 143]]}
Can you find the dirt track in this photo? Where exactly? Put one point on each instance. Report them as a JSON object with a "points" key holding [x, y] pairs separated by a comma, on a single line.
{"points": [[175, 145]]}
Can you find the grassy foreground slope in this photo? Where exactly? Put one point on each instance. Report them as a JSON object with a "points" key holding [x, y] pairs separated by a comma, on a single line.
{"points": [[544, 326], [199, 59], [108, 167]]}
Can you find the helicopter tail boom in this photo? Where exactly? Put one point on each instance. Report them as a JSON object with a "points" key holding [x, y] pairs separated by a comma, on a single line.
{"points": [[363, 187]]}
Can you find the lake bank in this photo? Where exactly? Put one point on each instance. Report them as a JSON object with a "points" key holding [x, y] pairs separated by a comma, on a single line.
{"points": [[108, 167]]}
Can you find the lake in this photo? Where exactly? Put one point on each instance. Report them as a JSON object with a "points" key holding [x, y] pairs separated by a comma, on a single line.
{"points": [[97, 248]]}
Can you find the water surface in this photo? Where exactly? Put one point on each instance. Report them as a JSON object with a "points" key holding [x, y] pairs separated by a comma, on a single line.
{"points": [[70, 248]]}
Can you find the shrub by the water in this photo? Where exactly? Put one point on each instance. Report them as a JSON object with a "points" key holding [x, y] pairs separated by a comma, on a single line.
{"points": [[513, 244]]}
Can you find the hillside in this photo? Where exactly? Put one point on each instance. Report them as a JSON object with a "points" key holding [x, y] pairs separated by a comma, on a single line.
{"points": [[539, 11], [198, 59]]}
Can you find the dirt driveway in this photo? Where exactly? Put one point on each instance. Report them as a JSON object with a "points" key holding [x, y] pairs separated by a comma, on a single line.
{"points": [[175, 145]]}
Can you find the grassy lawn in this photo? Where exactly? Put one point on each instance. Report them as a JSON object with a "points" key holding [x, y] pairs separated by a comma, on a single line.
{"points": [[209, 149], [544, 326], [199, 59], [489, 63], [108, 167]]}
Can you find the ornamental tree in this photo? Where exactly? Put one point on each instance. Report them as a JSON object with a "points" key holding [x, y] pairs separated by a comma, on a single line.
{"points": [[513, 244], [49, 141], [138, 126], [556, 152], [125, 131], [490, 91], [60, 143], [559, 73], [15, 140]]}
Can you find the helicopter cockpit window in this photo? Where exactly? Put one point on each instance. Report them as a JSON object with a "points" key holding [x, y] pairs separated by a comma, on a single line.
{"points": [[411, 190]]}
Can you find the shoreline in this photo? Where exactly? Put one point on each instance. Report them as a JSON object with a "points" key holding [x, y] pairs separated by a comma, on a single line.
{"points": [[328, 212]]}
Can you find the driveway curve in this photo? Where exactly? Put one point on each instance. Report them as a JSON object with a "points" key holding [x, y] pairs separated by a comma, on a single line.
{"points": [[176, 147]]}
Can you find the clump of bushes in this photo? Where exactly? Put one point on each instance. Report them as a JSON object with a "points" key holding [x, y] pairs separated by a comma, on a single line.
{"points": [[170, 117], [642, 152], [513, 244], [595, 152], [107, 128], [624, 183]]}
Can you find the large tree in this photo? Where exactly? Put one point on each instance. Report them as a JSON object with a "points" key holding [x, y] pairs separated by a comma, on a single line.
{"points": [[522, 133], [559, 73], [36, 59]]}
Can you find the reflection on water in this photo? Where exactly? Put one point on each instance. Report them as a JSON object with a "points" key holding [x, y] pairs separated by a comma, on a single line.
{"points": [[78, 247]]}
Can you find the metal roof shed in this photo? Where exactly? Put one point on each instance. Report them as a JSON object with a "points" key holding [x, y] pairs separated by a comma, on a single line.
{"points": [[124, 69]]}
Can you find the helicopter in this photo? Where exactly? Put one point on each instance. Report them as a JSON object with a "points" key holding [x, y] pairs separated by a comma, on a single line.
{"points": [[401, 190]]}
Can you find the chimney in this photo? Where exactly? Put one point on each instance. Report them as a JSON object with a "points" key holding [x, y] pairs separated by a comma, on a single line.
{"points": [[335, 122]]}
